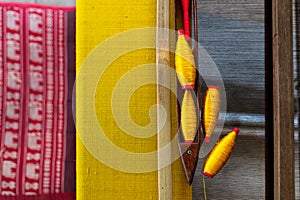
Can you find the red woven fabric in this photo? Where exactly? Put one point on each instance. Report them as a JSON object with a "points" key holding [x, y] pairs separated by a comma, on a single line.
{"points": [[62, 196], [33, 99]]}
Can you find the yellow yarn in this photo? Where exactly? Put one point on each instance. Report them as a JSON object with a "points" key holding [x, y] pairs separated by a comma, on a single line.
{"points": [[210, 110], [188, 116], [184, 61], [220, 154]]}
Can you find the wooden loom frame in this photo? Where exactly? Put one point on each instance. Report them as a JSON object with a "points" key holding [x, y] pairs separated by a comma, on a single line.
{"points": [[280, 161]]}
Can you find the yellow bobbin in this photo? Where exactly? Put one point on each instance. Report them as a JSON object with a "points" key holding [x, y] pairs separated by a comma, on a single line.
{"points": [[210, 111], [188, 117], [185, 63], [220, 154]]}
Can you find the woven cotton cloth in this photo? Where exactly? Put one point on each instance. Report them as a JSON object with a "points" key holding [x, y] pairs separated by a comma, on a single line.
{"points": [[33, 99]]}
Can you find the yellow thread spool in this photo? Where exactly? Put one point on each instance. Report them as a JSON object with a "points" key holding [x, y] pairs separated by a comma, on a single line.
{"points": [[186, 73], [188, 117], [184, 62], [220, 154], [210, 110]]}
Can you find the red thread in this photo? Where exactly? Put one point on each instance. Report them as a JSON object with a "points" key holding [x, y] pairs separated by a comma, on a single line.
{"points": [[236, 130], [214, 87], [187, 87], [180, 32], [185, 7], [207, 174]]}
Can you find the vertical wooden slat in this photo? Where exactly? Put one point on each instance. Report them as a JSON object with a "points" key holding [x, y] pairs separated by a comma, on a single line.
{"points": [[70, 172], [283, 99], [163, 100], [297, 80], [269, 127]]}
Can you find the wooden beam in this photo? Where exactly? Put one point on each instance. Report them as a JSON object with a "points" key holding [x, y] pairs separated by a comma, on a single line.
{"points": [[269, 127], [283, 99], [163, 100]]}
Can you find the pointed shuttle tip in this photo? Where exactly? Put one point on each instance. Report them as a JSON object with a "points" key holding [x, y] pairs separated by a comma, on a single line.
{"points": [[190, 180], [189, 177]]}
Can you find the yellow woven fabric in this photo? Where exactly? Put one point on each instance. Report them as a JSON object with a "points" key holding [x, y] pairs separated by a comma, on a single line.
{"points": [[97, 21]]}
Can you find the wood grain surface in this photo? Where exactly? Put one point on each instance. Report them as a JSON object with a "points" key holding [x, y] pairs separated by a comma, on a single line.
{"points": [[163, 77], [283, 95]]}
